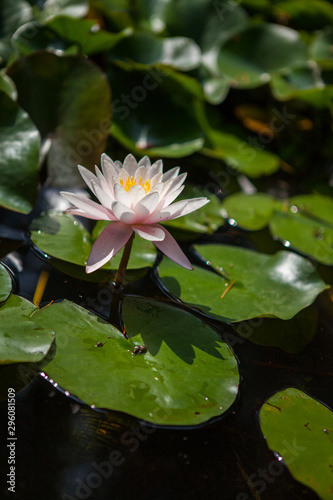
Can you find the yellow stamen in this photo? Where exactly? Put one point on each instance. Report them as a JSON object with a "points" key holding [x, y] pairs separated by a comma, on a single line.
{"points": [[130, 182]]}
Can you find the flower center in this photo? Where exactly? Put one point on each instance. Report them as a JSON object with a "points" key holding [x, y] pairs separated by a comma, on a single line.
{"points": [[130, 182]]}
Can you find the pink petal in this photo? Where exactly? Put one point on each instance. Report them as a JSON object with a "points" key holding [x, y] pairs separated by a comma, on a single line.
{"points": [[87, 176], [104, 198], [130, 164], [109, 242], [92, 209], [177, 209], [136, 194], [104, 184], [153, 232], [81, 213], [109, 168], [156, 168], [123, 213], [171, 174], [145, 161], [122, 195], [171, 249]]}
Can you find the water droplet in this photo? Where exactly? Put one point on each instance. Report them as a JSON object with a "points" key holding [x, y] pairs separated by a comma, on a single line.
{"points": [[92, 407], [76, 223], [232, 222], [156, 378], [67, 393], [294, 209], [95, 28], [39, 231], [286, 243]]}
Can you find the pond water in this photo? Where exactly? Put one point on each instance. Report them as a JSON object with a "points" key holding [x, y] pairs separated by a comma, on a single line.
{"points": [[68, 450]]}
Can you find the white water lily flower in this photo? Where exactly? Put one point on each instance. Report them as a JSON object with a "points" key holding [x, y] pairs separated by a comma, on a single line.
{"points": [[133, 197]]}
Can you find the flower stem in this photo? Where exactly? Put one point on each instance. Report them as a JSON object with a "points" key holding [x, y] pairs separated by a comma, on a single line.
{"points": [[119, 278]]}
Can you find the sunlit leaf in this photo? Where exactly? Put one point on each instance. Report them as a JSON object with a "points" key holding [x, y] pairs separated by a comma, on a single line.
{"points": [[19, 143], [251, 212], [65, 238], [187, 376], [36, 36], [299, 429], [250, 284], [21, 339]]}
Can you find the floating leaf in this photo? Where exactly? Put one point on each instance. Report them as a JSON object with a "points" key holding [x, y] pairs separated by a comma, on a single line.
{"points": [[321, 47], [5, 284], [12, 15], [299, 429], [252, 212], [21, 339], [86, 34], [19, 143], [65, 238], [187, 376], [36, 36], [292, 336], [72, 8], [258, 50], [150, 115], [304, 222], [254, 284], [304, 234], [68, 98], [240, 155], [145, 48]]}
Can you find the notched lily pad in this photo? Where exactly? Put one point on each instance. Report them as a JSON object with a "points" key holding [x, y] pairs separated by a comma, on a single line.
{"points": [[66, 239], [299, 429], [186, 376], [21, 340], [250, 284]]}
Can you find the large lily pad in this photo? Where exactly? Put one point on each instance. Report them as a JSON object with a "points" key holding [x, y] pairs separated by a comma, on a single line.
{"points": [[259, 50], [292, 336], [63, 237], [21, 340], [68, 98], [187, 375], [250, 284], [303, 222], [299, 429], [151, 114], [19, 142], [5, 284], [86, 34]]}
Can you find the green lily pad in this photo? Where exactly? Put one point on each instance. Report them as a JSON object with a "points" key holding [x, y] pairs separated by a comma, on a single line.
{"points": [[71, 8], [36, 36], [321, 47], [63, 237], [145, 48], [21, 340], [152, 115], [252, 212], [19, 142], [187, 376], [68, 98], [240, 155], [299, 429], [86, 34], [304, 234], [12, 15], [292, 336], [258, 50], [250, 284], [303, 222], [5, 284]]}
